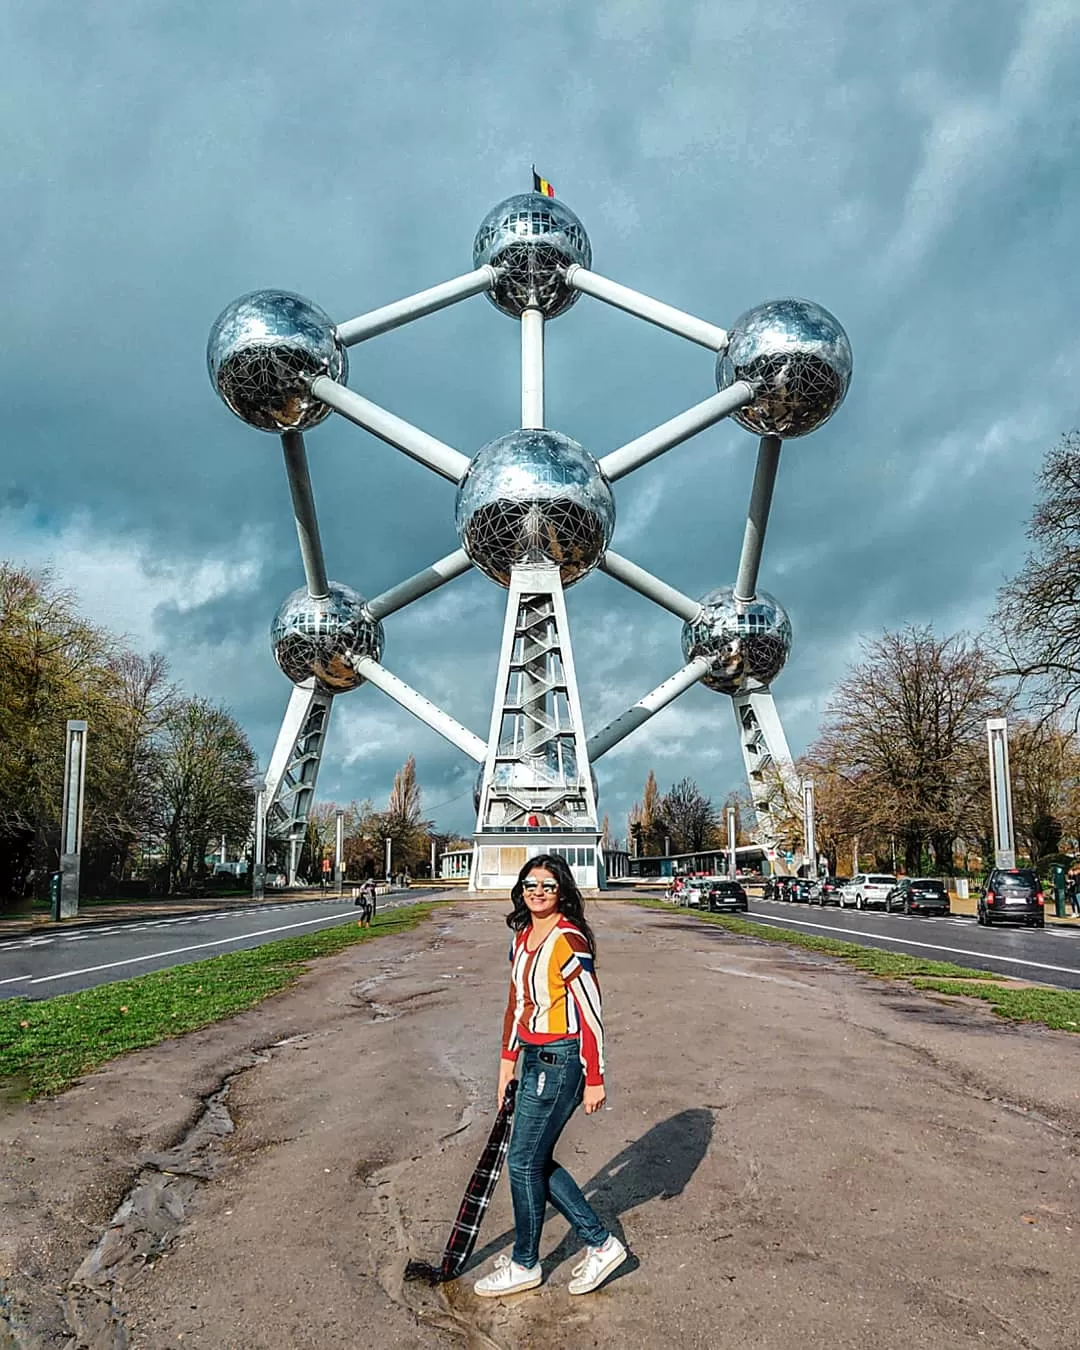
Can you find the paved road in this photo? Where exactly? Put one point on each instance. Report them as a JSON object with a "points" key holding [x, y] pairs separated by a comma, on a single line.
{"points": [[1047, 956], [64, 962]]}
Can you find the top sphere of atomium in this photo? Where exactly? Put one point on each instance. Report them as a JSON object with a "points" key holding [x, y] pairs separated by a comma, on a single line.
{"points": [[799, 359], [747, 643], [321, 637], [262, 352], [530, 240], [534, 496]]}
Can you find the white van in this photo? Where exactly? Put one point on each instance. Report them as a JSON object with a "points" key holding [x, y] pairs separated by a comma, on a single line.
{"points": [[867, 890]]}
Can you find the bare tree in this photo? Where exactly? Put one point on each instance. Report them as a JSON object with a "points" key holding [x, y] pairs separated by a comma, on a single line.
{"points": [[204, 772], [902, 739], [690, 817], [1038, 612]]}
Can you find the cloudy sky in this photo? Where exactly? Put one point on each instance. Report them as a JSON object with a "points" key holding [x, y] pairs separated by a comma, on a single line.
{"points": [[912, 168]]}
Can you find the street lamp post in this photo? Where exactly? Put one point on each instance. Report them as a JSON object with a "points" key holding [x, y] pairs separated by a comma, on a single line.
{"points": [[339, 851]]}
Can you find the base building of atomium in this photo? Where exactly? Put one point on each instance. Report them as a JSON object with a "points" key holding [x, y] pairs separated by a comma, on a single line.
{"points": [[535, 512]]}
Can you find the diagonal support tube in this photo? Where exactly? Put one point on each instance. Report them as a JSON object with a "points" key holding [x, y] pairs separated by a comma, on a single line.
{"points": [[412, 307], [652, 588], [635, 453], [645, 307], [430, 579], [757, 520], [423, 708], [646, 707], [395, 431], [307, 523]]}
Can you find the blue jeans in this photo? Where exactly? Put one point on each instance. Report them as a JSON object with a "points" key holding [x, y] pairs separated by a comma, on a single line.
{"points": [[548, 1094]]}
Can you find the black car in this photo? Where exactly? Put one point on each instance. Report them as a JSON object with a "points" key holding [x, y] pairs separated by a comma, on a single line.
{"points": [[827, 891], [1012, 895], [725, 895], [918, 895], [801, 889]]}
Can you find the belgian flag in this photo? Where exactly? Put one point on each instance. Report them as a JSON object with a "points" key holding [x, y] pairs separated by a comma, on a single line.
{"points": [[542, 185]]}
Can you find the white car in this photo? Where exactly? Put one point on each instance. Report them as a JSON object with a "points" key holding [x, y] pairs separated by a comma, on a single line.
{"points": [[867, 890]]}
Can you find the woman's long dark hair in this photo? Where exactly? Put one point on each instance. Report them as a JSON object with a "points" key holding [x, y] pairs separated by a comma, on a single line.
{"points": [[570, 902]]}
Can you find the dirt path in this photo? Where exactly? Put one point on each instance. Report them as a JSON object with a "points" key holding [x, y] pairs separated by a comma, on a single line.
{"points": [[797, 1157]]}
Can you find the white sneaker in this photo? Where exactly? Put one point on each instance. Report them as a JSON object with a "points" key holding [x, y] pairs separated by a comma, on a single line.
{"points": [[508, 1278], [598, 1264]]}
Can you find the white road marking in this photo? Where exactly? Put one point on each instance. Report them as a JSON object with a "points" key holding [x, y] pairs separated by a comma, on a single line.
{"points": [[174, 951], [849, 933]]}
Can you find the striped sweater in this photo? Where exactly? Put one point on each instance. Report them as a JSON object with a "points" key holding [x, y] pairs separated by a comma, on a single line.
{"points": [[553, 995]]}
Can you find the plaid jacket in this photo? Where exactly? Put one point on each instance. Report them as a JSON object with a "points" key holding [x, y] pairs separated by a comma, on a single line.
{"points": [[474, 1202]]}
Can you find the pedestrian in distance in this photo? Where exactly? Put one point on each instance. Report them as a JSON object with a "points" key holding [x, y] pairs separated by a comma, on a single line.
{"points": [[553, 1026], [366, 902]]}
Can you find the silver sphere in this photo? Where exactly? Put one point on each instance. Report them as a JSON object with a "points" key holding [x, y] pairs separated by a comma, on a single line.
{"points": [[322, 637], [530, 239], [799, 358], [534, 496], [262, 351], [749, 646]]}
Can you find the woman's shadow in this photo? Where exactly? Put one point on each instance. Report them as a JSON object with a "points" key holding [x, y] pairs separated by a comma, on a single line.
{"points": [[655, 1167]]}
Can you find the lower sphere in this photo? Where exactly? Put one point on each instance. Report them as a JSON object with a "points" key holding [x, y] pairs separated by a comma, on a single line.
{"points": [[748, 644], [322, 637]]}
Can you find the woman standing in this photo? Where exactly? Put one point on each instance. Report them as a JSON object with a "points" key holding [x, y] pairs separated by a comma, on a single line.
{"points": [[553, 1024]]}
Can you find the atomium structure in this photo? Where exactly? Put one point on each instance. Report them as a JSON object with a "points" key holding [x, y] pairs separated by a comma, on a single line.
{"points": [[535, 512]]}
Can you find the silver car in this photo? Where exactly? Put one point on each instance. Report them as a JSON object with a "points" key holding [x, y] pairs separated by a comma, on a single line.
{"points": [[867, 890]]}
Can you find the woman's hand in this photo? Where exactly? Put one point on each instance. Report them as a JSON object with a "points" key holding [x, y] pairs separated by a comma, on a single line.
{"points": [[506, 1072], [594, 1098]]}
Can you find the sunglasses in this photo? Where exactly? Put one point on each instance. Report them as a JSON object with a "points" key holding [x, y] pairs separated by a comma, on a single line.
{"points": [[548, 887]]}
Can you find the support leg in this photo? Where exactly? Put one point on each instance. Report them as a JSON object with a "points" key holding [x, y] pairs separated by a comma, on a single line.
{"points": [[769, 767], [294, 769]]}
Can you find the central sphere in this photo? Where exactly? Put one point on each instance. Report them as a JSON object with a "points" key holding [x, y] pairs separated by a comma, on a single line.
{"points": [[262, 351], [747, 643], [530, 239], [320, 637], [534, 496], [799, 360]]}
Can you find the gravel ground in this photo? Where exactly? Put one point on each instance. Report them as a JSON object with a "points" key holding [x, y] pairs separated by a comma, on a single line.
{"points": [[797, 1156]]}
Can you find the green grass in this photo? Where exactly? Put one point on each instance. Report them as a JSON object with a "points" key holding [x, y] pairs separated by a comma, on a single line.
{"points": [[46, 1045], [1055, 1008], [891, 965]]}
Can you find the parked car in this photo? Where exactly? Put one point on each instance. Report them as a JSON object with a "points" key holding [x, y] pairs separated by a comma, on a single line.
{"points": [[782, 888], [277, 881], [1012, 895], [827, 892], [867, 890], [692, 891], [801, 889], [726, 895], [923, 895]]}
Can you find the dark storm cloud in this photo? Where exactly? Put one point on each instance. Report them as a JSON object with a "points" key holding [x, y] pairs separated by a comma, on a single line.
{"points": [[911, 170]]}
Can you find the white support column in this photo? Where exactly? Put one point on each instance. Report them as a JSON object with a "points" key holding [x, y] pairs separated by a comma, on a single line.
{"points": [[637, 452], [71, 820], [766, 758], [395, 431], [400, 312], [532, 368], [289, 790], [997, 737], [757, 519], [652, 588], [809, 828], [430, 579], [733, 865], [307, 523], [423, 708], [647, 707], [645, 307]]}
